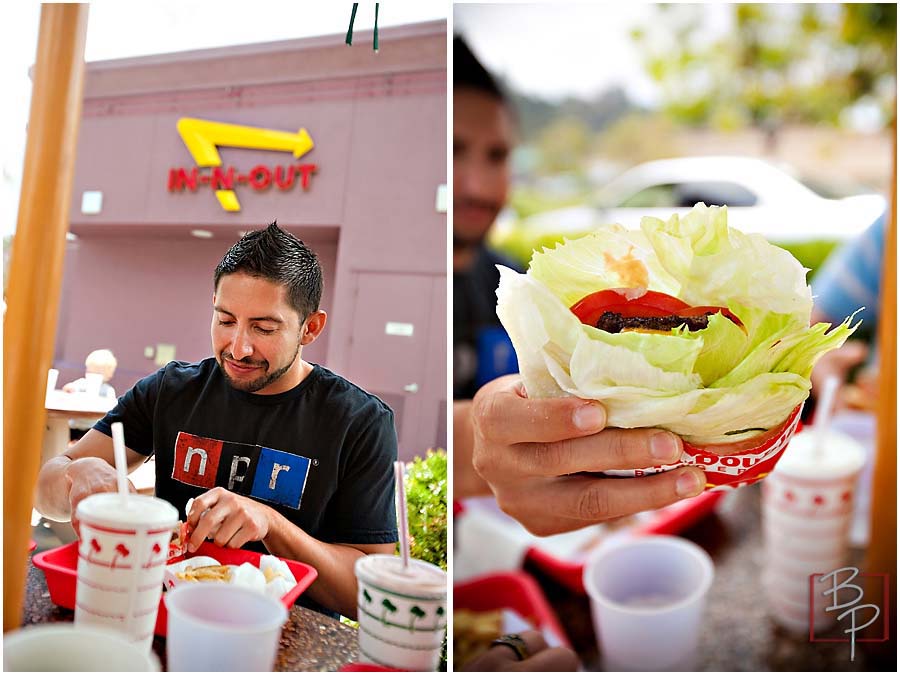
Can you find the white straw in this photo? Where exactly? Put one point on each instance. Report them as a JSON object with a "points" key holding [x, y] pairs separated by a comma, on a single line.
{"points": [[823, 414], [118, 434], [401, 513]]}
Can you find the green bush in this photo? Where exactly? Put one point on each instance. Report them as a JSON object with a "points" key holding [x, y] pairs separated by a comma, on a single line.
{"points": [[426, 506]]}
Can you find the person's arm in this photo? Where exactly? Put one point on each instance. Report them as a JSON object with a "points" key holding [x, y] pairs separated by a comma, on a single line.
{"points": [[86, 468], [534, 454], [466, 483], [89, 465], [232, 520]]}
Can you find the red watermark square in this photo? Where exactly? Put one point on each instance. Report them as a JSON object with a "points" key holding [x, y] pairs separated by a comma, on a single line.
{"points": [[844, 607]]}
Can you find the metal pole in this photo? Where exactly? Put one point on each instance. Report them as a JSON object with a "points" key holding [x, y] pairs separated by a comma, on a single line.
{"points": [[881, 557], [35, 274]]}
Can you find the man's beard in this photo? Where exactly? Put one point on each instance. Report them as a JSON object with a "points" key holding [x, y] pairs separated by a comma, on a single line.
{"points": [[261, 382]]}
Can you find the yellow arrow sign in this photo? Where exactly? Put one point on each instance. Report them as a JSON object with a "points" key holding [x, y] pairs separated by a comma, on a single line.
{"points": [[202, 138]]}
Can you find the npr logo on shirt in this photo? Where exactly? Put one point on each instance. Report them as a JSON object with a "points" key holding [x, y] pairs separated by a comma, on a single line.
{"points": [[249, 470]]}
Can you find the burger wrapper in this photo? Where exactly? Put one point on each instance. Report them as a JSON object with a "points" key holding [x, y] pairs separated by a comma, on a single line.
{"points": [[724, 472], [178, 549]]}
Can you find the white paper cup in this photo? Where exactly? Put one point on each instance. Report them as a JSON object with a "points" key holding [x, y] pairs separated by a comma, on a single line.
{"points": [[121, 560], [64, 647], [220, 627], [807, 512], [402, 613], [647, 599]]}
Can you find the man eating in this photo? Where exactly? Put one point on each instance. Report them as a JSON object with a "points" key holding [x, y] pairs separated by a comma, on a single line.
{"points": [[278, 454]]}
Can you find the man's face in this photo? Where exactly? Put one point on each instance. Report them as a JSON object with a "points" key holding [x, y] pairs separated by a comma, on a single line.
{"points": [[255, 334], [482, 141]]}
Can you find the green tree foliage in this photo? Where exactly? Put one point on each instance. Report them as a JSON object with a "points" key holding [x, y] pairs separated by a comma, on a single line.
{"points": [[797, 63], [426, 503], [563, 144]]}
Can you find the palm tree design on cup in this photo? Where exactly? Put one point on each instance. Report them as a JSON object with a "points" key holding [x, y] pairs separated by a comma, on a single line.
{"points": [[415, 612], [121, 552], [367, 597], [388, 607], [95, 548], [155, 551]]}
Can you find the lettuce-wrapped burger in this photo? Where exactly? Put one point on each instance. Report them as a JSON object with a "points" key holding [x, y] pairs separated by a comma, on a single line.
{"points": [[686, 325]]}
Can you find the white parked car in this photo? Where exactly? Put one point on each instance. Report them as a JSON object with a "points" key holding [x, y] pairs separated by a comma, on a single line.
{"points": [[761, 198]]}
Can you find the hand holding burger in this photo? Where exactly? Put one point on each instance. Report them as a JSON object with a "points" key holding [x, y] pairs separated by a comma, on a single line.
{"points": [[686, 325]]}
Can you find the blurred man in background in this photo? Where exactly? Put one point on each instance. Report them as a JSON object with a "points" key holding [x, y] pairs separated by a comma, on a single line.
{"points": [[483, 137]]}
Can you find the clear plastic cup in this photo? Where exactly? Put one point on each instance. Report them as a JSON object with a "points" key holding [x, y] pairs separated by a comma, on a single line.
{"points": [[402, 612], [807, 512], [68, 648], [121, 560], [647, 599], [220, 627]]}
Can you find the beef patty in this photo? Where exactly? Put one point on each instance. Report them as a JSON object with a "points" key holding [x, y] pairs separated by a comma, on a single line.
{"points": [[613, 322]]}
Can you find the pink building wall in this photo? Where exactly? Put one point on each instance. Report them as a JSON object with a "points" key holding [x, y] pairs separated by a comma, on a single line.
{"points": [[136, 277]]}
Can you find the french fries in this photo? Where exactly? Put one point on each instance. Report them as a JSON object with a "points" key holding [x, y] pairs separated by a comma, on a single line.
{"points": [[206, 573]]}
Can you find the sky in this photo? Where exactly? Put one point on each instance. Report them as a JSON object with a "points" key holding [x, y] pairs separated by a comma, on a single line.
{"points": [[558, 50], [118, 29]]}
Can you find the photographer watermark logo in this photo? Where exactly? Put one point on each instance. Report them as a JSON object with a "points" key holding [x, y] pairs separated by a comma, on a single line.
{"points": [[846, 600]]}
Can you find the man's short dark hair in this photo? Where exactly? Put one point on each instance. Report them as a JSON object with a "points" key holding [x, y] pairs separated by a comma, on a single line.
{"points": [[277, 255], [469, 73]]}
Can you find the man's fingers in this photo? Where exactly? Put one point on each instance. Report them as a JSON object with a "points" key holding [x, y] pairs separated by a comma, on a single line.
{"points": [[208, 525], [501, 413], [592, 500], [228, 529], [502, 657], [609, 449], [554, 660]]}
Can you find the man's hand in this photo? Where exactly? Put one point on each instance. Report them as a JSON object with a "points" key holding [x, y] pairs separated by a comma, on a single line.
{"points": [[88, 476], [228, 519], [541, 657], [527, 449]]}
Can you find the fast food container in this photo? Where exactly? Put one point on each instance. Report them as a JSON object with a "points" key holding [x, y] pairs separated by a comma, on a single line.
{"points": [[60, 565], [726, 472]]}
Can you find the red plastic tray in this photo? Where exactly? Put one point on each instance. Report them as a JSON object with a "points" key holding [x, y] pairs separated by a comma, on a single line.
{"points": [[60, 566], [517, 591]]}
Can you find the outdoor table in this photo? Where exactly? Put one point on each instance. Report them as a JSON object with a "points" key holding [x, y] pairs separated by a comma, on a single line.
{"points": [[736, 633], [310, 641]]}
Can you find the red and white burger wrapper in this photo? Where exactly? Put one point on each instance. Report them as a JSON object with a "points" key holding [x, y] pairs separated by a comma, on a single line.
{"points": [[724, 472]]}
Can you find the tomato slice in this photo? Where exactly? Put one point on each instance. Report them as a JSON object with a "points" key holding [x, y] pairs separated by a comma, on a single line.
{"points": [[651, 303], [631, 302]]}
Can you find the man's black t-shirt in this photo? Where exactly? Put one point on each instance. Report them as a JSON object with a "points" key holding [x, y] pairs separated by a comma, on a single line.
{"points": [[321, 453]]}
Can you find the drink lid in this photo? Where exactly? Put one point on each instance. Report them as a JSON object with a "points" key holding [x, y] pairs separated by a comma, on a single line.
{"points": [[421, 579], [841, 456], [108, 509]]}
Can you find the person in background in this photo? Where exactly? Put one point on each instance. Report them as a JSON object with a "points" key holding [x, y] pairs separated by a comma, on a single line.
{"points": [[850, 279], [483, 138], [101, 362], [531, 454]]}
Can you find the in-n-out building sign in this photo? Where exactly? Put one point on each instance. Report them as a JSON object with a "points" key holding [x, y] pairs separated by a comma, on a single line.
{"points": [[202, 138]]}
